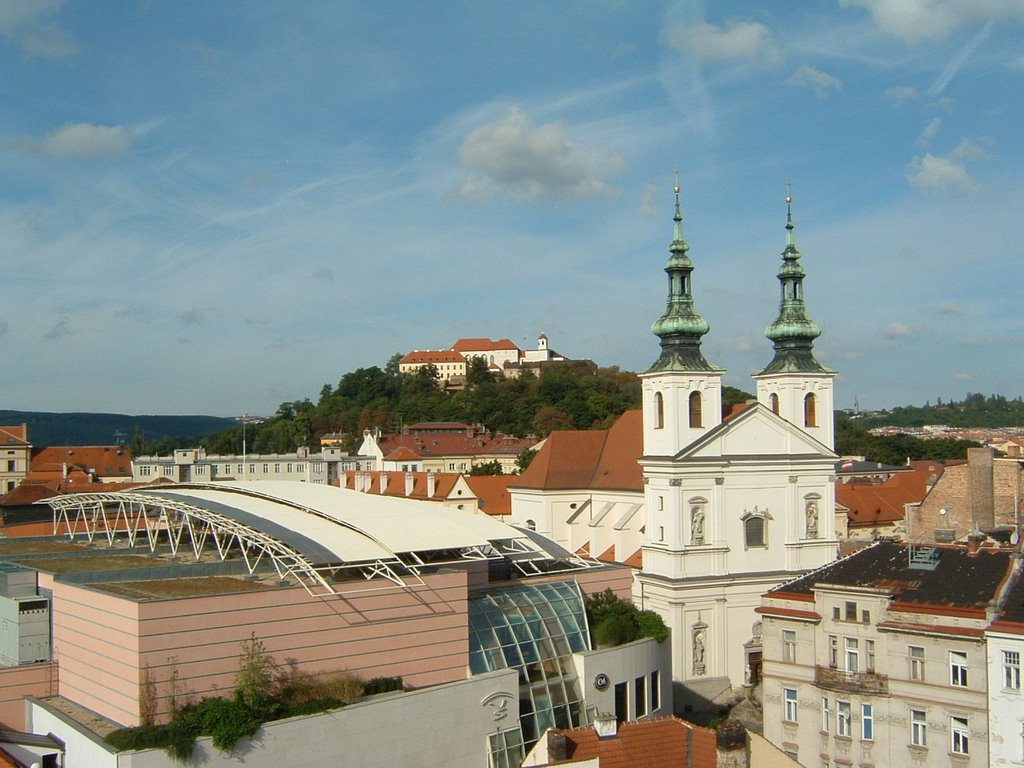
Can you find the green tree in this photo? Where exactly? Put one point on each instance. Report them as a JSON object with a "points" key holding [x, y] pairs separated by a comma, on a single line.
{"points": [[525, 458], [487, 468]]}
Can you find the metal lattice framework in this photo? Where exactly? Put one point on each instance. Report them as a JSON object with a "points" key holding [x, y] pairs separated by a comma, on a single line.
{"points": [[144, 520]]}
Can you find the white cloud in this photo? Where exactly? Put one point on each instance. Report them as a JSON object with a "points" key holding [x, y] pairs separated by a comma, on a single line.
{"points": [[915, 21], [946, 173], [819, 82], [29, 25], [902, 93], [896, 331], [736, 40], [950, 308], [512, 156], [929, 132], [83, 140]]}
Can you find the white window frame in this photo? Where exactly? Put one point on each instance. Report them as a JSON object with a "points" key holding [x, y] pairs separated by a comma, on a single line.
{"points": [[959, 735], [790, 705], [851, 654], [833, 651], [789, 645], [916, 661], [1011, 671], [825, 725], [869, 655], [918, 728], [958, 669], [844, 719]]}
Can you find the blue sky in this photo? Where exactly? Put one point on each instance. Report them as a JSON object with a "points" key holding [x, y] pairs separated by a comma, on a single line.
{"points": [[216, 207]]}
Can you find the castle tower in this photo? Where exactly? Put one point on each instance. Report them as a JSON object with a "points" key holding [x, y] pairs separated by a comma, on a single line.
{"points": [[795, 385], [682, 391]]}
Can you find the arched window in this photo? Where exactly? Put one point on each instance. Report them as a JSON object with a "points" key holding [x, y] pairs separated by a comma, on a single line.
{"points": [[753, 531], [810, 411], [696, 410], [531, 525], [774, 400], [659, 411]]}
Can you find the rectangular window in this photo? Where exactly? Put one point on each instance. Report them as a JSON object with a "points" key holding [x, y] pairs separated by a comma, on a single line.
{"points": [[865, 617], [655, 690], [241, 469], [825, 725], [843, 718], [958, 669], [918, 728], [12, 465], [959, 735], [277, 468], [266, 469], [869, 655], [835, 613], [1011, 670], [288, 468], [851, 611], [789, 715], [640, 696], [916, 654], [852, 654], [789, 645], [867, 722]]}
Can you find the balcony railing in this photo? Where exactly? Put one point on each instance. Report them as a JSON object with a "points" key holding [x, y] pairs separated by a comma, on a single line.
{"points": [[852, 682]]}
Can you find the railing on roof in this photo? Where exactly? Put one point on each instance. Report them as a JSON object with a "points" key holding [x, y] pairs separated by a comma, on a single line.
{"points": [[834, 679]]}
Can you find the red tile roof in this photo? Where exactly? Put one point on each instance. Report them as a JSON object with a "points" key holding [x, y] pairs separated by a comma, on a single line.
{"points": [[17, 435], [482, 345], [105, 460], [871, 503], [492, 490], [394, 483], [456, 443], [432, 356], [662, 742], [598, 458], [401, 453]]}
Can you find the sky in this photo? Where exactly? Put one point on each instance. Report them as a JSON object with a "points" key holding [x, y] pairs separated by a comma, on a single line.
{"points": [[214, 208]]}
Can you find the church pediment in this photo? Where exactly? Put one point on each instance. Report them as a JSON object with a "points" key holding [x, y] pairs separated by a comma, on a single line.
{"points": [[755, 432]]}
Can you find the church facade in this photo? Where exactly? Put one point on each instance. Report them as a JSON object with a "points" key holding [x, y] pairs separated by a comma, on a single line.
{"points": [[722, 509]]}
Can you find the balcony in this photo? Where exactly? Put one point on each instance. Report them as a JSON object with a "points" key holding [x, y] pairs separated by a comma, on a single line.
{"points": [[868, 683]]}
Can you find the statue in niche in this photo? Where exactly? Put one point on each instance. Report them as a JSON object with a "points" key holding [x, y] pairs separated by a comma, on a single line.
{"points": [[697, 525], [698, 652], [812, 520]]}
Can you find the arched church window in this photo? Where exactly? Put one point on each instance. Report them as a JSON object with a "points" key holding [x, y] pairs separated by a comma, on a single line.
{"points": [[696, 410], [659, 411], [774, 400], [755, 527], [810, 411]]}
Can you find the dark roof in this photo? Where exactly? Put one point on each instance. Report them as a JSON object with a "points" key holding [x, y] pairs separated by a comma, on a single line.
{"points": [[959, 579], [1013, 608]]}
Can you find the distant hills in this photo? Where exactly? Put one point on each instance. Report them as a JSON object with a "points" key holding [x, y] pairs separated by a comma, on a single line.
{"points": [[46, 429]]}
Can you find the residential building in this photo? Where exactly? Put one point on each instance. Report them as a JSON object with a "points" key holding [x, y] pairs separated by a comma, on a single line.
{"points": [[445, 447], [873, 509], [186, 465], [882, 657], [1004, 643], [450, 365], [100, 463], [15, 456], [495, 353]]}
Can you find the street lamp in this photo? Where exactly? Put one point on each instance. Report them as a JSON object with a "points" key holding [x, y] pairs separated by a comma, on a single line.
{"points": [[245, 418]]}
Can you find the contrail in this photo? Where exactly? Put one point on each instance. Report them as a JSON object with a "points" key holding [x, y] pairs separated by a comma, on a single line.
{"points": [[958, 61]]}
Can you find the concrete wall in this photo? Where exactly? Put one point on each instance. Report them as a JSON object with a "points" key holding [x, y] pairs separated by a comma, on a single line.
{"points": [[18, 682], [411, 729], [624, 664], [106, 643]]}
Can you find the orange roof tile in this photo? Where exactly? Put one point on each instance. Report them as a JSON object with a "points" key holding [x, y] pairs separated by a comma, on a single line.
{"points": [[395, 484], [433, 356], [492, 490], [105, 460], [17, 435], [662, 742], [482, 345], [872, 503], [618, 468], [636, 560], [401, 453]]}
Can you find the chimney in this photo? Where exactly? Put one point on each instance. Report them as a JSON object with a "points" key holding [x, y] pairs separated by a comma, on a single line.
{"points": [[981, 487], [558, 749], [974, 540], [409, 480], [731, 738], [430, 484], [606, 726]]}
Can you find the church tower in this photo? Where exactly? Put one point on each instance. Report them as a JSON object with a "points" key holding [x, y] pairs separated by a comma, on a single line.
{"points": [[795, 385], [682, 391]]}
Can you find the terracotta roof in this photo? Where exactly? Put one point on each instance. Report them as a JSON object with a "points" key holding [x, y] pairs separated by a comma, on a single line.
{"points": [[433, 356], [636, 560], [597, 458], [394, 484], [105, 460], [482, 345], [492, 490], [456, 443], [17, 435], [959, 580], [870, 503], [401, 453], [661, 742]]}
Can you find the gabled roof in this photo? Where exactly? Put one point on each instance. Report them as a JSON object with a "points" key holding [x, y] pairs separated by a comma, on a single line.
{"points": [[433, 356], [959, 579], [455, 443], [104, 460], [603, 459], [792, 440], [395, 483], [482, 345], [661, 742], [16, 435], [401, 453], [492, 490], [871, 503]]}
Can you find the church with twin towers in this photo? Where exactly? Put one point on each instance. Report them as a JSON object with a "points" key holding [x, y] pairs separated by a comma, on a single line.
{"points": [[734, 504]]}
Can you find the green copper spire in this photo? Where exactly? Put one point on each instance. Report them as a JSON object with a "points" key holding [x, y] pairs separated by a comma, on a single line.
{"points": [[793, 332], [681, 327]]}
